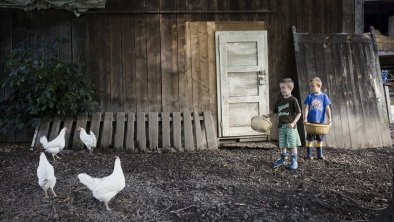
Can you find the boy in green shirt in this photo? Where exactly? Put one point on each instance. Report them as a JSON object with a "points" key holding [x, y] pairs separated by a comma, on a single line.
{"points": [[288, 112]]}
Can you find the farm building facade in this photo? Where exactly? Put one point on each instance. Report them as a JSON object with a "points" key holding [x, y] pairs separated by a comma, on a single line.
{"points": [[223, 57]]}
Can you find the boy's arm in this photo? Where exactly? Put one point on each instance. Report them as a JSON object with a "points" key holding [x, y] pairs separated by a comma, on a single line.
{"points": [[294, 123], [306, 110], [268, 115], [328, 110]]}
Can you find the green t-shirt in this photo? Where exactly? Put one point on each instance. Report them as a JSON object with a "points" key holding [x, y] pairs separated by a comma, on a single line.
{"points": [[286, 110]]}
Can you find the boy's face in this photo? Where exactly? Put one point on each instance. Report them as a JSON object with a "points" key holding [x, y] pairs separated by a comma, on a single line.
{"points": [[314, 87], [285, 89]]}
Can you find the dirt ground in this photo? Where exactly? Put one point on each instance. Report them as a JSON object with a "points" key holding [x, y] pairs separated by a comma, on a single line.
{"points": [[225, 185]]}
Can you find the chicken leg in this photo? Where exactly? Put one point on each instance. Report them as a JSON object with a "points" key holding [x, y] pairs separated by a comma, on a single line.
{"points": [[106, 206], [54, 194]]}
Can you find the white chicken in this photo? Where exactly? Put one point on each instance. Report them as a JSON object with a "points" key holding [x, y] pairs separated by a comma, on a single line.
{"points": [[46, 175], [56, 145], [104, 189], [89, 140]]}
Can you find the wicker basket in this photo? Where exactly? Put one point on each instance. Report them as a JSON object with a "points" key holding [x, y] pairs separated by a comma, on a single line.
{"points": [[260, 124], [314, 128]]}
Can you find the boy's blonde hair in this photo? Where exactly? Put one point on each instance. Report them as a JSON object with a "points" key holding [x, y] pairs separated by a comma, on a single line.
{"points": [[316, 80], [289, 82]]}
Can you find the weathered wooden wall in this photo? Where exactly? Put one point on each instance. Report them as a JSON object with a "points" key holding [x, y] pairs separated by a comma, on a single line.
{"points": [[135, 50], [348, 66]]}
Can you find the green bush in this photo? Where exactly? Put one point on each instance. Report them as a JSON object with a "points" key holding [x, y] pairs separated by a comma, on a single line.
{"points": [[38, 87]]}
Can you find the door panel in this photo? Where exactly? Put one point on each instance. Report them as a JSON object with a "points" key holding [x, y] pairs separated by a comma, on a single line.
{"points": [[242, 59]]}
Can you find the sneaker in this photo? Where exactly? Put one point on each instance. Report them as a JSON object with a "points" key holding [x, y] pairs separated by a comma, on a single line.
{"points": [[293, 163], [281, 161], [278, 163], [321, 158]]}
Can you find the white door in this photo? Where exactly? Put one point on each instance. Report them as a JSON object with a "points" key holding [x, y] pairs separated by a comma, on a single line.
{"points": [[242, 70]]}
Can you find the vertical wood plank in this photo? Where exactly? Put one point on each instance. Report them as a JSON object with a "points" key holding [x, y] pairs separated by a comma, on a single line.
{"points": [[204, 69], [188, 131], [81, 122], [104, 64], [188, 79], [68, 122], [184, 80], [128, 63], [350, 107], [197, 131], [65, 47], [153, 57], [42, 131], [345, 139], [95, 124], [141, 64], [80, 42], [212, 72], [327, 62], [119, 130], [208, 5], [210, 132], [195, 66], [153, 121], [177, 133], [359, 17], [373, 68], [166, 131], [169, 73], [130, 142], [336, 96], [50, 32], [141, 131], [116, 72], [7, 34], [55, 128], [106, 135], [361, 127]]}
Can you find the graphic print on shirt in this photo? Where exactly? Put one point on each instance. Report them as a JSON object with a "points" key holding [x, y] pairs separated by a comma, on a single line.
{"points": [[281, 111], [316, 105]]}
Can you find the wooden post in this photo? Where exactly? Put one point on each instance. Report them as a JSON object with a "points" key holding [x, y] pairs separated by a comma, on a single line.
{"points": [[359, 16], [391, 26]]}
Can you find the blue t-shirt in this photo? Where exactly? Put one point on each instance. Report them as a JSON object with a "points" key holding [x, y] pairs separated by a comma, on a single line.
{"points": [[317, 107]]}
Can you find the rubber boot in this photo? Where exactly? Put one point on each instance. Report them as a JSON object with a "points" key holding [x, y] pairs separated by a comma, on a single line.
{"points": [[309, 153], [281, 161], [293, 163], [320, 155]]}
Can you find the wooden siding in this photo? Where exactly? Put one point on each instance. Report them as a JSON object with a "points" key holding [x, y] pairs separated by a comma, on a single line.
{"points": [[135, 51], [348, 66]]}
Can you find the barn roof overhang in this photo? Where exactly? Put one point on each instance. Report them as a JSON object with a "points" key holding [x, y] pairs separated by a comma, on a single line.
{"points": [[77, 6]]}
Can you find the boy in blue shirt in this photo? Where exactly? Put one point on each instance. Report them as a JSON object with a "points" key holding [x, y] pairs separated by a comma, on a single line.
{"points": [[317, 106]]}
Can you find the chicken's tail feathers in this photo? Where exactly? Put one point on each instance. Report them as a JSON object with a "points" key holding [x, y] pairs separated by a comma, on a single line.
{"points": [[87, 180], [43, 141]]}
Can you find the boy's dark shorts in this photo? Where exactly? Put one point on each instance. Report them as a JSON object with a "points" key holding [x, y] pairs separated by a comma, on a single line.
{"points": [[312, 137]]}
